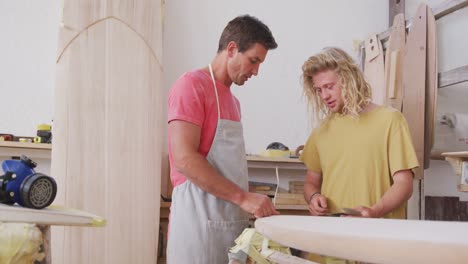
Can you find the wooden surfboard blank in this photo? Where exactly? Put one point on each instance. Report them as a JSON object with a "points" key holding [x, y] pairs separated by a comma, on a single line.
{"points": [[374, 68], [431, 86], [371, 240], [106, 150], [394, 79], [414, 83], [143, 16]]}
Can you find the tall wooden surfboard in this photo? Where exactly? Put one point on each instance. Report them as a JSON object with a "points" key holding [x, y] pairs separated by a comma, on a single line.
{"points": [[370, 240], [374, 68], [414, 83], [106, 150], [431, 86], [394, 63]]}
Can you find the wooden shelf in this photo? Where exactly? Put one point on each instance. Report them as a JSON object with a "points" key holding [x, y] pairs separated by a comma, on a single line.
{"points": [[26, 145], [260, 162], [32, 150]]}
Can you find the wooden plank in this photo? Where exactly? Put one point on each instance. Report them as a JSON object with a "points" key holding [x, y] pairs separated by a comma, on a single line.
{"points": [[260, 162], [368, 240], [394, 60], [414, 84], [431, 87], [448, 7], [272, 159], [395, 7], [454, 76], [457, 154], [374, 69], [292, 207], [106, 150], [462, 187], [289, 199]]}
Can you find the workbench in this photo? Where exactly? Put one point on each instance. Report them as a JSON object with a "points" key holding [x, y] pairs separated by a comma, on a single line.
{"points": [[44, 218]]}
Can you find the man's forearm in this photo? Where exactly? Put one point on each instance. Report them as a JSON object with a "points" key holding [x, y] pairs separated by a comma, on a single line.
{"points": [[309, 190], [199, 171], [399, 193]]}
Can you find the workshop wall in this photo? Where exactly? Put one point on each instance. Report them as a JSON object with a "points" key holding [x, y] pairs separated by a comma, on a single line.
{"points": [[29, 30]]}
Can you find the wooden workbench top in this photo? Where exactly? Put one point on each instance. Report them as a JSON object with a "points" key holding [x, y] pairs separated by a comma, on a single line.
{"points": [[16, 144]]}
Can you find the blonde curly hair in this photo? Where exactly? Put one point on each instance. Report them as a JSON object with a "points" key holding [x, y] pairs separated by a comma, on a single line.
{"points": [[355, 91]]}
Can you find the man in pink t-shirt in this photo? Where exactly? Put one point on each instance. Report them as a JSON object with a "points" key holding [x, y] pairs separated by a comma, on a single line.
{"points": [[211, 204]]}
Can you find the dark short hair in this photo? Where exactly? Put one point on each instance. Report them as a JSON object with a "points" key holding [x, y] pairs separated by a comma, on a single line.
{"points": [[245, 31]]}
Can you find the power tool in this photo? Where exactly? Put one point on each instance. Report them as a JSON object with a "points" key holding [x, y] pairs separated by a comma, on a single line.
{"points": [[22, 185], [44, 134]]}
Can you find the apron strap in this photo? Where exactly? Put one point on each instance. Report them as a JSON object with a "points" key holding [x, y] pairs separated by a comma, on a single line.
{"points": [[216, 90]]}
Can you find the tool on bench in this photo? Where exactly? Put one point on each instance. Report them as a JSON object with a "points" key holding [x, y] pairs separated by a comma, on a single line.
{"points": [[22, 185], [44, 134], [6, 137]]}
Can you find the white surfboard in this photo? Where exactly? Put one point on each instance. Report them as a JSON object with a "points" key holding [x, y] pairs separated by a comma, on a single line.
{"points": [[371, 240]]}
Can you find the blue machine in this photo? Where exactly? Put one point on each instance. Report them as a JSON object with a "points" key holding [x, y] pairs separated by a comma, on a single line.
{"points": [[22, 185]]}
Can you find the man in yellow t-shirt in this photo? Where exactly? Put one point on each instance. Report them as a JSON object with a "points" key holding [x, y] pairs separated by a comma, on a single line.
{"points": [[361, 155]]}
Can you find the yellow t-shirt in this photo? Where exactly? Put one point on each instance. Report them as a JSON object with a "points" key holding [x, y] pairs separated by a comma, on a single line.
{"points": [[358, 156]]}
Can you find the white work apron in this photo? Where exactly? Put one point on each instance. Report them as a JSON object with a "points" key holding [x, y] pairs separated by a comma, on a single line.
{"points": [[203, 227]]}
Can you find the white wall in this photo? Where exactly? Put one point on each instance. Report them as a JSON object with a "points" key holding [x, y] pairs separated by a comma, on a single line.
{"points": [[29, 32]]}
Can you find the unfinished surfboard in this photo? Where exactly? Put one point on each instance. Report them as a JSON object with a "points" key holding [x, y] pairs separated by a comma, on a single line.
{"points": [[374, 68], [107, 149], [52, 215], [144, 17], [371, 240], [394, 63], [431, 86], [414, 84]]}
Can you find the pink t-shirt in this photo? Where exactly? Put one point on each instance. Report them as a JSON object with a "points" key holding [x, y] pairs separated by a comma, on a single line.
{"points": [[192, 99]]}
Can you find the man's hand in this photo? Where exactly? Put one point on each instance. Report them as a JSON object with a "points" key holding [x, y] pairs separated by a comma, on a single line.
{"points": [[318, 205], [367, 212], [258, 204]]}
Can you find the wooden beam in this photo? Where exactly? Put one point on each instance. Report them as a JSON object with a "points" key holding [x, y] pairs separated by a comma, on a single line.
{"points": [[454, 76], [448, 7], [395, 7]]}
